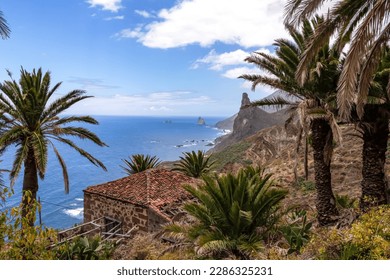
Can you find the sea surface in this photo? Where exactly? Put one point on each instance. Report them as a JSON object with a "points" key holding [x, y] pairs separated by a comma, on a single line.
{"points": [[165, 137]]}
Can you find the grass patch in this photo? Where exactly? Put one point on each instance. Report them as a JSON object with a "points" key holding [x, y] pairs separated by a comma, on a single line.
{"points": [[232, 154]]}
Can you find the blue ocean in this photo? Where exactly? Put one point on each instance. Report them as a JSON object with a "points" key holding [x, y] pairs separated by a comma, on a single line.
{"points": [[165, 137]]}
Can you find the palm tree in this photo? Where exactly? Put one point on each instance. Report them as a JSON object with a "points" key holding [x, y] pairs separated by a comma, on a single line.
{"points": [[374, 126], [32, 124], [4, 29], [313, 108], [139, 162], [367, 24], [194, 164], [234, 214]]}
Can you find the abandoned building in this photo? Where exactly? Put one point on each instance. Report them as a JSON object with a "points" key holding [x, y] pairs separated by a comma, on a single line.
{"points": [[147, 199]]}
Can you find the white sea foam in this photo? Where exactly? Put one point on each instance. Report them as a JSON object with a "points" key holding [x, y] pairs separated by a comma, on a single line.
{"points": [[75, 213], [79, 199]]}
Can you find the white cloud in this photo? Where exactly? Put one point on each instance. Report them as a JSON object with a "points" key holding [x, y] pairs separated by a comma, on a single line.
{"points": [[175, 102], [236, 72], [162, 108], [248, 23], [130, 33], [90, 84], [144, 14], [109, 5], [217, 61], [115, 18]]}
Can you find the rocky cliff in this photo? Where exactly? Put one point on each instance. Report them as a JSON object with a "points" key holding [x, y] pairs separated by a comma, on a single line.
{"points": [[248, 121]]}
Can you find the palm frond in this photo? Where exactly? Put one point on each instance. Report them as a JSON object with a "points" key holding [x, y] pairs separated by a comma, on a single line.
{"points": [[20, 156], [275, 102], [369, 67], [139, 162], [63, 167], [82, 152], [194, 164], [4, 28]]}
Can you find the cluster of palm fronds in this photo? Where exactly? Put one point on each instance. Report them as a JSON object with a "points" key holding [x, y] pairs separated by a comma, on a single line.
{"points": [[330, 86]]}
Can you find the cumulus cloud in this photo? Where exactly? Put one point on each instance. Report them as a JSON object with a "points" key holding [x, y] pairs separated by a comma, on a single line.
{"points": [[218, 62], [130, 33], [248, 23], [144, 13], [109, 5], [236, 72]]}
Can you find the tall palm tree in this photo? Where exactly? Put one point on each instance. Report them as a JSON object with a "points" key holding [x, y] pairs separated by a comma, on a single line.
{"points": [[32, 124], [374, 126], [139, 162], [367, 24], [313, 108], [194, 164], [4, 28], [234, 213]]}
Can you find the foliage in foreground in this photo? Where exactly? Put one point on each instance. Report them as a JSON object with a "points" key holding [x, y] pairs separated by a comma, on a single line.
{"points": [[234, 214], [194, 164], [83, 248], [19, 240], [297, 231], [139, 162], [367, 239]]}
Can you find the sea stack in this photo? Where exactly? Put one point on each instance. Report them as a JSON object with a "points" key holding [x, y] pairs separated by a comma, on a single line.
{"points": [[201, 121]]}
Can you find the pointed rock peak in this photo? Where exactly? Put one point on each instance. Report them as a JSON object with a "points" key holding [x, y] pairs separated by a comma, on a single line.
{"points": [[245, 101]]}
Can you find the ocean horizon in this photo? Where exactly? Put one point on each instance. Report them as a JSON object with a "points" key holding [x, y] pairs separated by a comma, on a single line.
{"points": [[164, 137]]}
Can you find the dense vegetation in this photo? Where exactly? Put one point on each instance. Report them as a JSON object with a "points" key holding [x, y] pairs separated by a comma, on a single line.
{"points": [[239, 215]]}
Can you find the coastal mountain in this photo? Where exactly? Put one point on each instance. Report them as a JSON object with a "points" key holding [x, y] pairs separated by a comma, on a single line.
{"points": [[226, 124], [247, 122]]}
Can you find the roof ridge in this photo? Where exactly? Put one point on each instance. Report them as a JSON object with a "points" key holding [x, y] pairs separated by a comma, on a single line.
{"points": [[147, 186]]}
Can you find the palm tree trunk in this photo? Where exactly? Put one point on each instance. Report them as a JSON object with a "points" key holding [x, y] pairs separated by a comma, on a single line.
{"points": [[375, 136], [305, 160], [322, 141], [30, 187]]}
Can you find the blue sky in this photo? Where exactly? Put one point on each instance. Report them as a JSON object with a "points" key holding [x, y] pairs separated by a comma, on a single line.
{"points": [[143, 57]]}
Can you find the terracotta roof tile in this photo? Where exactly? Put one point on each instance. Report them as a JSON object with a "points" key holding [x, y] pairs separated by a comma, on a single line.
{"points": [[154, 187]]}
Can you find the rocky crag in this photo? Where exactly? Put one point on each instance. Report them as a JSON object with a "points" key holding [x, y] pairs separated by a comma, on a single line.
{"points": [[247, 122]]}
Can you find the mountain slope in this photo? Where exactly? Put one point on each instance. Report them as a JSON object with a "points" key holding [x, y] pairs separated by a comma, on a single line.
{"points": [[248, 121]]}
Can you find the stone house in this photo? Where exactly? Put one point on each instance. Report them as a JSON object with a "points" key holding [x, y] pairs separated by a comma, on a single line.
{"points": [[147, 199]]}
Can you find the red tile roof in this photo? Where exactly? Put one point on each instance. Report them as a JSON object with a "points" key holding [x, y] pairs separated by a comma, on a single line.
{"points": [[155, 188]]}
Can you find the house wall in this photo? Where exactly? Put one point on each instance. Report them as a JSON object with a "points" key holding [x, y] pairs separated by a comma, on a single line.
{"points": [[96, 206], [155, 221]]}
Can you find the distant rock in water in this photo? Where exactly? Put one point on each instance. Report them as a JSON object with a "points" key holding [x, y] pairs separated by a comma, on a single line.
{"points": [[248, 121], [201, 121]]}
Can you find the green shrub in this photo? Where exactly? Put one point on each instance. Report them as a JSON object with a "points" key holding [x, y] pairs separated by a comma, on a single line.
{"points": [[306, 185], [297, 232], [367, 239], [84, 248], [234, 214], [344, 201], [19, 240]]}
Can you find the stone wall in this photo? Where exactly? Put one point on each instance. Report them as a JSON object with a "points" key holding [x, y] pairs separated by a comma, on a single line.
{"points": [[96, 206], [155, 221]]}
